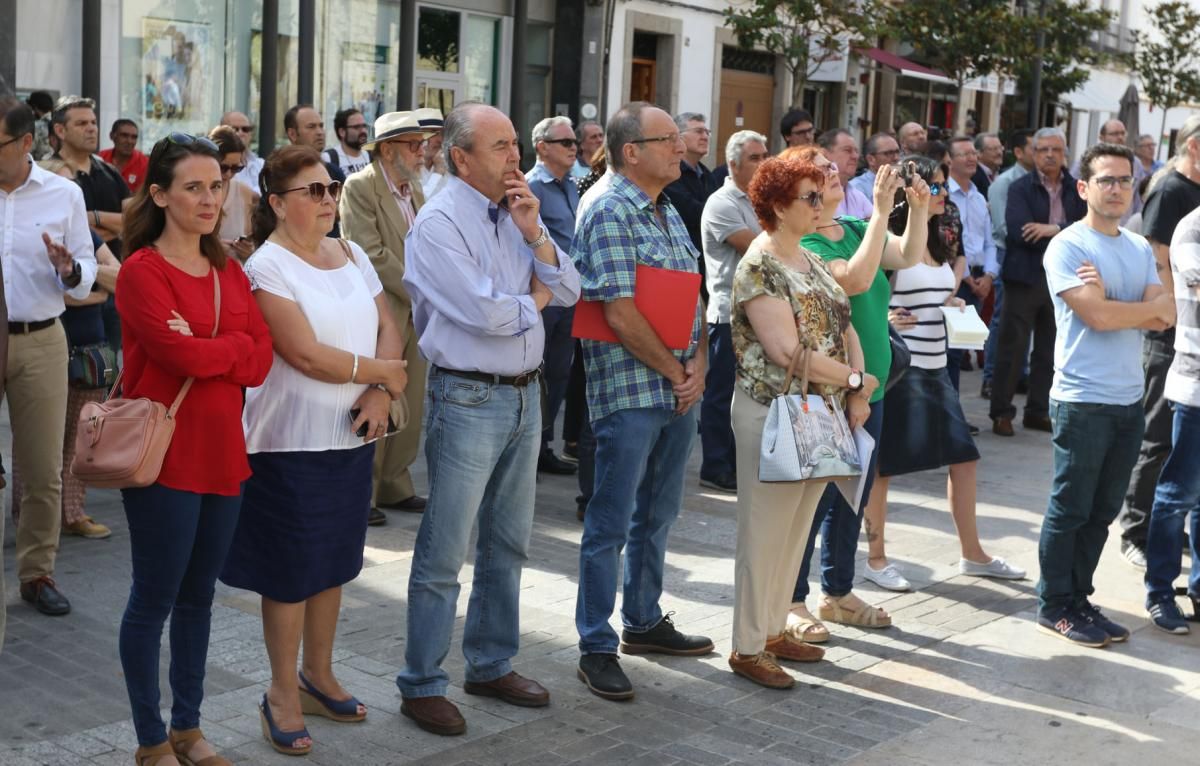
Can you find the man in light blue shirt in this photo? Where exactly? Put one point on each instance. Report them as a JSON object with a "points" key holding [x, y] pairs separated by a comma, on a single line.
{"points": [[480, 267], [980, 248], [549, 180], [879, 150], [1105, 288]]}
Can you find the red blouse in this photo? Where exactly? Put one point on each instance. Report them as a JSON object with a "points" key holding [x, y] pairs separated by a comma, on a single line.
{"points": [[208, 451]]}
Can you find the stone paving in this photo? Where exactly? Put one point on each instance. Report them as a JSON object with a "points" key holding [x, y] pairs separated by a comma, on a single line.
{"points": [[963, 677]]}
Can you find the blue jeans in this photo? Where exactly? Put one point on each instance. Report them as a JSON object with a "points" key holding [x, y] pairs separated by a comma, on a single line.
{"points": [[557, 355], [641, 456], [1178, 494], [716, 429], [1095, 447], [840, 526], [178, 541], [481, 447]]}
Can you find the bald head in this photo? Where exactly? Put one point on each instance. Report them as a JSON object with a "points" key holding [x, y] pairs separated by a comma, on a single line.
{"points": [[1113, 132], [912, 137]]}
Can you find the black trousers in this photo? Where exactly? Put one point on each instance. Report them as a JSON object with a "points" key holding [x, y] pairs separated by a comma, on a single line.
{"points": [[1028, 312], [1158, 350]]}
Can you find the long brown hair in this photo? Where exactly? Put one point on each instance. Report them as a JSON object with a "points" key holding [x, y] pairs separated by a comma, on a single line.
{"points": [[144, 221], [281, 167]]}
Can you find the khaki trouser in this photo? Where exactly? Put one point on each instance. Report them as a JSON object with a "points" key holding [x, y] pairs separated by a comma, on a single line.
{"points": [[394, 455], [773, 521], [3, 592], [37, 407]]}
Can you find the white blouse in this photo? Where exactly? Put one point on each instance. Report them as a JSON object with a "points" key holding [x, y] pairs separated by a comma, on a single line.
{"points": [[923, 290], [291, 412]]}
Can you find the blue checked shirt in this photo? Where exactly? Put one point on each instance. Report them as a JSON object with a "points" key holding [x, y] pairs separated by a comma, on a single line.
{"points": [[615, 234]]}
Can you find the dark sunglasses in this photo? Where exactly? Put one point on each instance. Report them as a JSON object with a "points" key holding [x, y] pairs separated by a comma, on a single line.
{"points": [[245, 129], [936, 189], [814, 199], [234, 169], [570, 143], [316, 190]]}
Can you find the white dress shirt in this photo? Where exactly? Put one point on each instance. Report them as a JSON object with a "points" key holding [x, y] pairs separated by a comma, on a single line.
{"points": [[432, 182], [51, 204], [254, 165]]}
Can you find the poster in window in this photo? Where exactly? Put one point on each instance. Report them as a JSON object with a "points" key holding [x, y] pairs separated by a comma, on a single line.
{"points": [[176, 57]]}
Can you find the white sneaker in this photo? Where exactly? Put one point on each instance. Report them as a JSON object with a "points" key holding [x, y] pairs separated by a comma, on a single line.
{"points": [[997, 567], [888, 578]]}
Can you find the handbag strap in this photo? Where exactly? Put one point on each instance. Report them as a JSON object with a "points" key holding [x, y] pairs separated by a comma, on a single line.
{"points": [[801, 351]]}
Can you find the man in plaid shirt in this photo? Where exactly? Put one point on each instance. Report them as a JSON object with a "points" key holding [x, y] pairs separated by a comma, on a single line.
{"points": [[640, 399]]}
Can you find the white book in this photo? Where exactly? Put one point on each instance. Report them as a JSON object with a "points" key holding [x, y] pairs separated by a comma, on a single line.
{"points": [[964, 328]]}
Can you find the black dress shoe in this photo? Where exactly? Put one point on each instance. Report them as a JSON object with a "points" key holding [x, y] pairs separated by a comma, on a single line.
{"points": [[1038, 423], [603, 676], [663, 638], [1022, 386], [414, 504], [376, 518], [727, 483], [548, 462], [45, 596]]}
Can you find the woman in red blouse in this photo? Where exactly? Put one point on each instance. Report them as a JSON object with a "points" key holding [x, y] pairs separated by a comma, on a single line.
{"points": [[181, 526]]}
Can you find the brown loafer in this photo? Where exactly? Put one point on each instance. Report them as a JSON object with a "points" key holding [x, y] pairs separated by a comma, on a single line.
{"points": [[762, 669], [785, 647], [436, 715], [513, 689], [1002, 426]]}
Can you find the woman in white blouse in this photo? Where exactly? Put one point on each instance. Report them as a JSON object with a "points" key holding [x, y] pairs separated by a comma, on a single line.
{"points": [[308, 428]]}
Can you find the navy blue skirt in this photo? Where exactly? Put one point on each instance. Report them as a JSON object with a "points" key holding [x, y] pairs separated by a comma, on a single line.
{"points": [[923, 425], [303, 523]]}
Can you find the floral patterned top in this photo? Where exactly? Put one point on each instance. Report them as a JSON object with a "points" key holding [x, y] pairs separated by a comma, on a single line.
{"points": [[822, 312]]}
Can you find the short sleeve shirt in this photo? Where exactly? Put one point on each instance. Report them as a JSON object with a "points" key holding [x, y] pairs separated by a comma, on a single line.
{"points": [[1173, 198], [726, 212], [818, 303], [1098, 366], [1183, 379], [621, 230]]}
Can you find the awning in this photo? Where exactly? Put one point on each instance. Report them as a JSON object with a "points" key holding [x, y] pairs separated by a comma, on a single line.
{"points": [[904, 66]]}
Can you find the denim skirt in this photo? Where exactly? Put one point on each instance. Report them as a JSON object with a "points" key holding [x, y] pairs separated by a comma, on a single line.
{"points": [[923, 425], [303, 523]]}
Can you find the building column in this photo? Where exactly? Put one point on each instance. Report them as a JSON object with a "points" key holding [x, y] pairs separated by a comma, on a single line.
{"points": [[406, 69], [270, 77], [516, 107], [8, 47], [569, 58], [885, 94], [306, 52], [90, 58]]}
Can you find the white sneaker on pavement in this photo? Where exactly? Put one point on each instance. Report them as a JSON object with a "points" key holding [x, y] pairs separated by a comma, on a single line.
{"points": [[997, 567], [888, 578]]}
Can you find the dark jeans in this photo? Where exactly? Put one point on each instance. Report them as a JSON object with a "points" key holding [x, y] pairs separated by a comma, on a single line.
{"points": [[1028, 311], [178, 541], [1158, 349], [575, 406], [840, 526], [558, 353], [716, 429], [1178, 493], [1095, 447]]}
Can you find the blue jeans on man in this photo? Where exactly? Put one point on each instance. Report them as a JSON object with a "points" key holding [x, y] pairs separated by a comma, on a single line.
{"points": [[1095, 447], [1178, 494], [716, 428], [558, 353], [840, 526], [641, 458], [481, 446]]}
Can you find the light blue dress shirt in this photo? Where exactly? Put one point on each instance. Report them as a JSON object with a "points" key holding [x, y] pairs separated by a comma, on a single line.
{"points": [[467, 271], [865, 183], [977, 227], [559, 199]]}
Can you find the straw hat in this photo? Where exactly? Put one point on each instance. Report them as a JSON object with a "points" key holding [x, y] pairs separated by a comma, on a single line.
{"points": [[396, 124]]}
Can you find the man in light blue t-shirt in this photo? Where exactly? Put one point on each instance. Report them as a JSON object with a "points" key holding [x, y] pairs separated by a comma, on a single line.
{"points": [[1105, 289]]}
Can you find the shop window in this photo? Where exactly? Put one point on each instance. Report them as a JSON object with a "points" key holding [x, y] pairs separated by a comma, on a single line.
{"points": [[458, 58], [358, 46]]}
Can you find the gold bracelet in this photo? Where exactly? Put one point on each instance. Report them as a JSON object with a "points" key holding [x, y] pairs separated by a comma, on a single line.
{"points": [[354, 370]]}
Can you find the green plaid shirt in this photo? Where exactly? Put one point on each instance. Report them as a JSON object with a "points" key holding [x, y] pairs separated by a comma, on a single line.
{"points": [[618, 232]]}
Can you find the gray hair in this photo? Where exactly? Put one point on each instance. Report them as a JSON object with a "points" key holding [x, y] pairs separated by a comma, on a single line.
{"points": [[584, 125], [623, 127], [458, 129], [1189, 129], [683, 118], [979, 139], [1050, 133], [541, 131], [737, 142], [872, 144]]}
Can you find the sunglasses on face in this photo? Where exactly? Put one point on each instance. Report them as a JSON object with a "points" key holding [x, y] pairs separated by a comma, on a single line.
{"points": [[316, 190], [245, 129], [937, 189], [814, 199], [231, 169], [569, 143]]}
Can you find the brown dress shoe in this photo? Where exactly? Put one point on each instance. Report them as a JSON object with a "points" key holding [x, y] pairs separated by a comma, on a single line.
{"points": [[513, 689], [785, 647], [1002, 426], [1038, 423], [762, 669], [436, 715]]}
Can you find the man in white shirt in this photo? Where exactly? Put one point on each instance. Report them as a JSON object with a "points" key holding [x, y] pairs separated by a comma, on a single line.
{"points": [[351, 129], [46, 251], [433, 169], [254, 164]]}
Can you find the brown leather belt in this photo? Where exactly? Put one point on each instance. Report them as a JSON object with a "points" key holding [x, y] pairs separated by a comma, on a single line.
{"points": [[520, 381], [24, 328]]}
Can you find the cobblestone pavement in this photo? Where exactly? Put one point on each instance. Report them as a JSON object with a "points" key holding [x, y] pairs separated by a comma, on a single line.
{"points": [[963, 677]]}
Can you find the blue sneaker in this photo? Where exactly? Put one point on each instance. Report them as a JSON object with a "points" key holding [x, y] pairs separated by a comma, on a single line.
{"points": [[1116, 633], [1071, 625], [1168, 616]]}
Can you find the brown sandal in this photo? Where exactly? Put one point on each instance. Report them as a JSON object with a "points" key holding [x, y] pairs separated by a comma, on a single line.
{"points": [[182, 743], [152, 756], [865, 616], [802, 626]]}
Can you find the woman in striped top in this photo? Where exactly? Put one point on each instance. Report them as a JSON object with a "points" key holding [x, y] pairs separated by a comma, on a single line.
{"points": [[923, 422]]}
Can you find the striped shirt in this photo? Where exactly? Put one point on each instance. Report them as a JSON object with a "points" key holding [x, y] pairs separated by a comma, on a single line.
{"points": [[1183, 379], [923, 290]]}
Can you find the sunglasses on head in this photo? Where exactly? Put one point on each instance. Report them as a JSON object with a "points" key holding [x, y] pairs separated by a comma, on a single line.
{"points": [[187, 139], [316, 190]]}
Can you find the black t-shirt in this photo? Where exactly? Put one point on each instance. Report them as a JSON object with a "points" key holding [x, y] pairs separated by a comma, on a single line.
{"points": [[104, 190], [1173, 198]]}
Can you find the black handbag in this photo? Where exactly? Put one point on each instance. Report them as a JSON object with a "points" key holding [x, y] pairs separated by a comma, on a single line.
{"points": [[92, 366], [901, 358]]}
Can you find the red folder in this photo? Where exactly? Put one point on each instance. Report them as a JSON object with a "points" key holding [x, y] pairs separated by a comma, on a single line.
{"points": [[665, 297]]}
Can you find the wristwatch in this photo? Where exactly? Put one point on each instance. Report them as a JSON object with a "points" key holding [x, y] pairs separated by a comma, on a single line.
{"points": [[73, 279], [541, 240], [854, 381]]}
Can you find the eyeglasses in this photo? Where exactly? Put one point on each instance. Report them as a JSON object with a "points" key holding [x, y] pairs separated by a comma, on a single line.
{"points": [[831, 169], [1108, 182], [891, 153], [699, 131], [412, 146], [671, 138], [231, 169], [814, 199], [569, 143], [10, 141], [244, 128], [803, 131], [357, 127], [187, 139], [316, 190]]}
